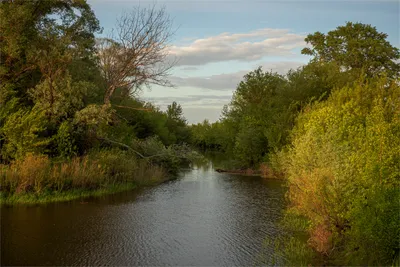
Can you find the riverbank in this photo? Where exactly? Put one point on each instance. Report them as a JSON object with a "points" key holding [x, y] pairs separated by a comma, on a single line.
{"points": [[47, 197], [36, 179], [264, 171], [246, 172]]}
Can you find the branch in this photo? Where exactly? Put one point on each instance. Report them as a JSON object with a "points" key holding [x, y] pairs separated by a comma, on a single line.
{"points": [[130, 148], [121, 144], [138, 55]]}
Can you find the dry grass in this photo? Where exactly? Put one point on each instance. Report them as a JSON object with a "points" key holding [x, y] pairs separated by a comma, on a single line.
{"points": [[37, 174]]}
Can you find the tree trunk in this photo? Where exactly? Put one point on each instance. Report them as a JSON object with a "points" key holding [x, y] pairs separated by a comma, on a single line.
{"points": [[108, 94]]}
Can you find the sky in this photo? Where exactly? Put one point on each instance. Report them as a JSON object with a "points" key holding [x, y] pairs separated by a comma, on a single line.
{"points": [[217, 42]]}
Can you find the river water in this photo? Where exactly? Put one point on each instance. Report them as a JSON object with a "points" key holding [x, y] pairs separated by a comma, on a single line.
{"points": [[202, 218]]}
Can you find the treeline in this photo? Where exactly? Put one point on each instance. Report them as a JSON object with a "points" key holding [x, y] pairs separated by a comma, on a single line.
{"points": [[68, 101], [332, 129]]}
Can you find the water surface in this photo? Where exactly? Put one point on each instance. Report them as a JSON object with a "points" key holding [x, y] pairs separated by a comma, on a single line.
{"points": [[203, 218]]}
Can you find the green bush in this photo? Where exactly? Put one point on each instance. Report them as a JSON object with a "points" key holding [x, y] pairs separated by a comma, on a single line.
{"points": [[343, 171], [66, 140]]}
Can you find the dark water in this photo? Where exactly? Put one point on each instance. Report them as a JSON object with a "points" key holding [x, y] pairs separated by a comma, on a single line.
{"points": [[203, 218]]}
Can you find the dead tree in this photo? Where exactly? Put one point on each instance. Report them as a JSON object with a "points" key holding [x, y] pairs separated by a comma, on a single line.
{"points": [[136, 53]]}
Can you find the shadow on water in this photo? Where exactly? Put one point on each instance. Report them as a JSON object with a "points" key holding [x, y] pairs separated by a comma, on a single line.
{"points": [[202, 218]]}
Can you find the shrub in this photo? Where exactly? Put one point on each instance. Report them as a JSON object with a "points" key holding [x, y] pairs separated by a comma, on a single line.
{"points": [[343, 172]]}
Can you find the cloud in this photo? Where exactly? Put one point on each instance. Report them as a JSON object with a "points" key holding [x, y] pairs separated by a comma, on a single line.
{"points": [[212, 92], [223, 81], [249, 46], [189, 68], [229, 81], [200, 100]]}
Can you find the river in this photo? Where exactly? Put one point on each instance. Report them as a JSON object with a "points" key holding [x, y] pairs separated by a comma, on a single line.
{"points": [[202, 218]]}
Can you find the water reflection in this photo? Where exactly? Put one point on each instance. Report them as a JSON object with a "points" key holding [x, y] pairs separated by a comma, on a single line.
{"points": [[202, 218]]}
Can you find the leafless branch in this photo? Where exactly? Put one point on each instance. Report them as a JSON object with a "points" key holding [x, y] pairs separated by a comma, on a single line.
{"points": [[136, 53]]}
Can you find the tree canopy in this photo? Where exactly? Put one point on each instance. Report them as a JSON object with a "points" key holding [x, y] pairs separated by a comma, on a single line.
{"points": [[355, 46], [55, 79]]}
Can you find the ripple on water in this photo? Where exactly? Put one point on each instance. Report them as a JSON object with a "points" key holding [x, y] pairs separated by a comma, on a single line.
{"points": [[203, 218]]}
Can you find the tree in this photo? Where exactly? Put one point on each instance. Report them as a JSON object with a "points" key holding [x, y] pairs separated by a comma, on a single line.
{"points": [[36, 36], [257, 101], [39, 41], [174, 112], [355, 46], [176, 123], [136, 53]]}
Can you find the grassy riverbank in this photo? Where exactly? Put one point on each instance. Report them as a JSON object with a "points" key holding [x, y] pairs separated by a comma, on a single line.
{"points": [[37, 179], [47, 197], [263, 170]]}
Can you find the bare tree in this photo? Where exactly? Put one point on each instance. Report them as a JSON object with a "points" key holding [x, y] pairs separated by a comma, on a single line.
{"points": [[136, 52]]}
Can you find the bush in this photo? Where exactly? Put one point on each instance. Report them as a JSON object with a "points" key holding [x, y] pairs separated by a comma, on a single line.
{"points": [[343, 171]]}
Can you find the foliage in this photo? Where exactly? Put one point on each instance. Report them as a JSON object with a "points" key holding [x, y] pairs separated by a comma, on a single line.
{"points": [[176, 124], [22, 133], [332, 128], [171, 157], [59, 128], [355, 46], [262, 112], [65, 139], [260, 117], [70, 120], [44, 37], [343, 172], [52, 89]]}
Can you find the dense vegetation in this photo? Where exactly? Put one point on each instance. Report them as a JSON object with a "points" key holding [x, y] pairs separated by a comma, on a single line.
{"points": [[332, 129], [69, 115], [71, 124], [343, 171]]}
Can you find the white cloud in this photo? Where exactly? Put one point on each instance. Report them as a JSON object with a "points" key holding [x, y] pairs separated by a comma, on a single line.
{"points": [[229, 81], [210, 93], [249, 46], [204, 97], [215, 82]]}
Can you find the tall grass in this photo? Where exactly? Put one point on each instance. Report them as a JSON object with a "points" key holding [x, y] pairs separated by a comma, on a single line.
{"points": [[38, 175]]}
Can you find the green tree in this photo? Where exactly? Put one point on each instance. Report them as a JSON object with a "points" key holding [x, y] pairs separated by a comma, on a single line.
{"points": [[22, 133], [175, 112], [355, 46], [176, 123], [39, 43], [255, 104], [32, 32]]}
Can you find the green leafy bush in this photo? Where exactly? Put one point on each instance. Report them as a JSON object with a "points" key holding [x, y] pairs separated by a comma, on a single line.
{"points": [[343, 173]]}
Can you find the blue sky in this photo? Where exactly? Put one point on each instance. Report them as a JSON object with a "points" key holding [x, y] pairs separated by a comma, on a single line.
{"points": [[217, 42]]}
